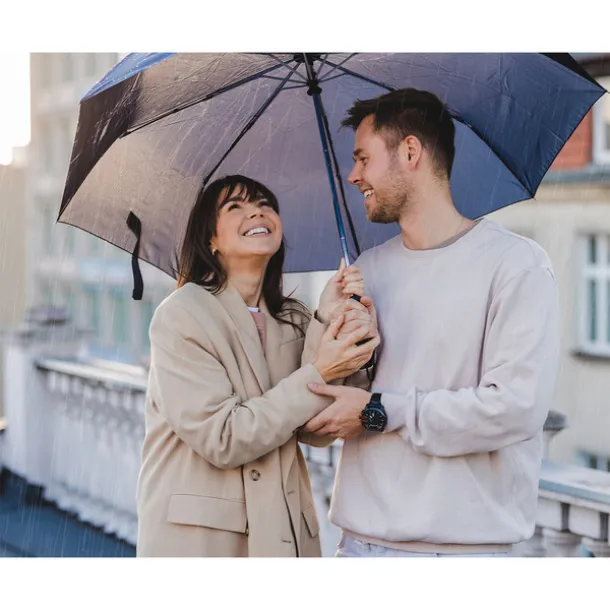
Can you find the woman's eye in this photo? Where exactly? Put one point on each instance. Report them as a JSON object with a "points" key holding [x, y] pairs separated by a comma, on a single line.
{"points": [[265, 203], [233, 206]]}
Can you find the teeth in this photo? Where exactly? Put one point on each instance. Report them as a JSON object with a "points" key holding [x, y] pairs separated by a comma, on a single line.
{"points": [[257, 230], [368, 193]]}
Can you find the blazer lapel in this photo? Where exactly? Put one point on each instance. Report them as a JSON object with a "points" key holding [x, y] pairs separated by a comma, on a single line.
{"points": [[248, 335], [274, 338]]}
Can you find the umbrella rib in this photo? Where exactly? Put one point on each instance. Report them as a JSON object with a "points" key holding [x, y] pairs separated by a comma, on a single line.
{"points": [[360, 76], [249, 124], [324, 77], [205, 98], [296, 82], [286, 64]]}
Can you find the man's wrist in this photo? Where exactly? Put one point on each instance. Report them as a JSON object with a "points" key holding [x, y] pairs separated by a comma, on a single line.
{"points": [[373, 416]]}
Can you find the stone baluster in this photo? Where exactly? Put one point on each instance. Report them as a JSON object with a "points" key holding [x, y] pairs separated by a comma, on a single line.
{"points": [[99, 452], [54, 489], [125, 487], [561, 544], [112, 463], [71, 459], [85, 447], [599, 548]]}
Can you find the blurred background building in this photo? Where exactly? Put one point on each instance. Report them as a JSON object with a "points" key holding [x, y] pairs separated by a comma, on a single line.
{"points": [[68, 268], [74, 344]]}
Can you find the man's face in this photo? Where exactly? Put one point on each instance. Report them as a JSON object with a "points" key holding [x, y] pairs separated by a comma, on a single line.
{"points": [[378, 175]]}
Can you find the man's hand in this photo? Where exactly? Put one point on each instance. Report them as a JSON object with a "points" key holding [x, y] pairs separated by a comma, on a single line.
{"points": [[342, 418]]}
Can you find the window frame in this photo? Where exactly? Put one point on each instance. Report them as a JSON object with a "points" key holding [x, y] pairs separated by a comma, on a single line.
{"points": [[594, 273]]}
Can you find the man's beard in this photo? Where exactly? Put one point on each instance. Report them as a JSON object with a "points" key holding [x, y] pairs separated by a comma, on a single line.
{"points": [[391, 202]]}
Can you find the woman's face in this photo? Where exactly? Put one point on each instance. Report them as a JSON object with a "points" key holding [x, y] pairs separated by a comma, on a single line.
{"points": [[246, 228]]}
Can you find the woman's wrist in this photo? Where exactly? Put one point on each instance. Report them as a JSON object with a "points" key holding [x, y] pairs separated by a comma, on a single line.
{"points": [[323, 372], [320, 317]]}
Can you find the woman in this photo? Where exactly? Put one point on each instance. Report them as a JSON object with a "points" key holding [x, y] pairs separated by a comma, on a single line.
{"points": [[231, 357]]}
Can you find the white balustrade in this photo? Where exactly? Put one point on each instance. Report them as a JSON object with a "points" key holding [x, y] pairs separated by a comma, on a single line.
{"points": [[98, 434]]}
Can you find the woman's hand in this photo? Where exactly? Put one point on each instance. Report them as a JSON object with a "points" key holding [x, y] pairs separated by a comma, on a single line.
{"points": [[347, 281], [339, 358], [357, 314]]}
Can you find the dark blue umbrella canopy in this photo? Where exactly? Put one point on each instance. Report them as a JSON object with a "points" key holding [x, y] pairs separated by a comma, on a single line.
{"points": [[160, 124]]}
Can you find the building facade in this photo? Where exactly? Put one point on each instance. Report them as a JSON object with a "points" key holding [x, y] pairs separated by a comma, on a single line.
{"points": [[67, 267]]}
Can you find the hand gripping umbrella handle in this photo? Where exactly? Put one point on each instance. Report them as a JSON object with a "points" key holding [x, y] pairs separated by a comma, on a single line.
{"points": [[356, 297]]}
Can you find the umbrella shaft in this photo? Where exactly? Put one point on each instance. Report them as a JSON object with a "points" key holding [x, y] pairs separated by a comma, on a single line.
{"points": [[333, 186]]}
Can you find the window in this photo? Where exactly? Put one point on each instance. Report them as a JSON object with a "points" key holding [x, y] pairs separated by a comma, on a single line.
{"points": [[92, 299], [593, 460], [595, 295], [120, 323], [71, 305], [68, 301], [146, 314], [601, 125]]}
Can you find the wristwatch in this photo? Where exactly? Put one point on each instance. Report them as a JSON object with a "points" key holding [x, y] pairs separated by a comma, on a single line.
{"points": [[373, 416]]}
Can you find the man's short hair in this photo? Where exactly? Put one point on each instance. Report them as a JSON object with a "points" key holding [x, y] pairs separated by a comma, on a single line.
{"points": [[406, 112]]}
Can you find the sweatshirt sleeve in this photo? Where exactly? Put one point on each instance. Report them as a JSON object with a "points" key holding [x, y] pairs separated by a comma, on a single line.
{"points": [[519, 368]]}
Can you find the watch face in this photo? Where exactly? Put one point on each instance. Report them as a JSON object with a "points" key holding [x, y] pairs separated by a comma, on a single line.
{"points": [[374, 419]]}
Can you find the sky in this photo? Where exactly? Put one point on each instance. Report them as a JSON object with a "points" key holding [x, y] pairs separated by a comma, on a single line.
{"points": [[14, 103]]}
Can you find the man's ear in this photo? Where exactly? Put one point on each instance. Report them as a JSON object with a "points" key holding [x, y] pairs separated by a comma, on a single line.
{"points": [[412, 149]]}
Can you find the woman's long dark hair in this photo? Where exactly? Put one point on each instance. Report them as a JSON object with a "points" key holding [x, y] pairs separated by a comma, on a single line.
{"points": [[197, 263]]}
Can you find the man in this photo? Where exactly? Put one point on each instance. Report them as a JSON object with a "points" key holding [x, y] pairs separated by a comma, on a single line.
{"points": [[443, 456]]}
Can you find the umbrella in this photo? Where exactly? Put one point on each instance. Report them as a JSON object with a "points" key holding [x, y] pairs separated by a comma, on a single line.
{"points": [[158, 126]]}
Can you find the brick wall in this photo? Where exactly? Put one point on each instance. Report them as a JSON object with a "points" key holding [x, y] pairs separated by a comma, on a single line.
{"points": [[578, 150]]}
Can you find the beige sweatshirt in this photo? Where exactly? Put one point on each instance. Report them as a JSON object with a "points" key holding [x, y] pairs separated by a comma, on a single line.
{"points": [[467, 369]]}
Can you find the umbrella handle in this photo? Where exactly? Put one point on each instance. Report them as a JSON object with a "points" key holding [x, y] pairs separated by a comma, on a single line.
{"points": [[356, 297]]}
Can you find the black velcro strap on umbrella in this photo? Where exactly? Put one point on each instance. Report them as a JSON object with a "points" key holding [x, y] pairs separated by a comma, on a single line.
{"points": [[135, 226]]}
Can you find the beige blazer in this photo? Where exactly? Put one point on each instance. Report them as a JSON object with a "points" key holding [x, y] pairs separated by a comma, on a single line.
{"points": [[222, 473]]}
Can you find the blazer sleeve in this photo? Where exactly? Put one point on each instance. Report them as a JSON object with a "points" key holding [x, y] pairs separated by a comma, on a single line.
{"points": [[192, 390]]}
